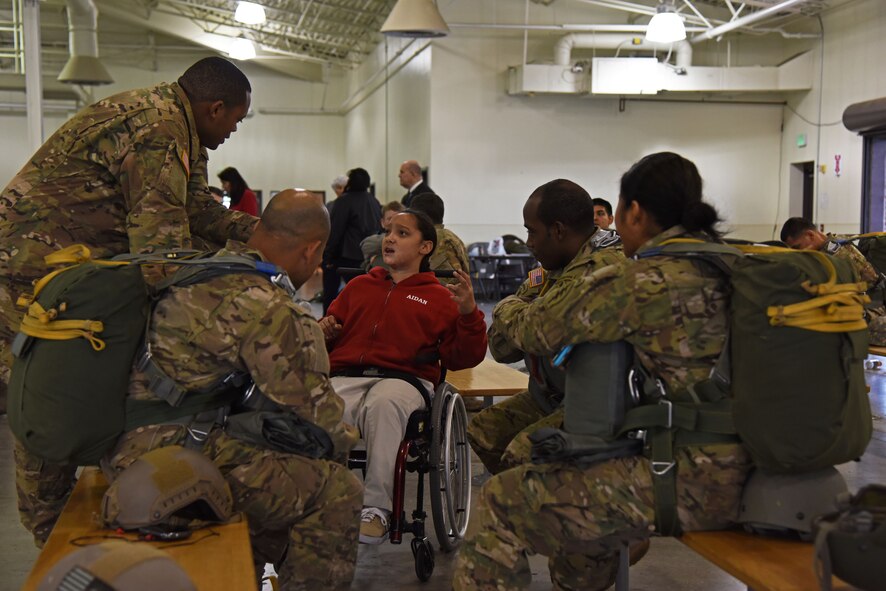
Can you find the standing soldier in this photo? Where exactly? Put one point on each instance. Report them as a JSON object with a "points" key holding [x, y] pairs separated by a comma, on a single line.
{"points": [[674, 311], [127, 174], [303, 512], [559, 220]]}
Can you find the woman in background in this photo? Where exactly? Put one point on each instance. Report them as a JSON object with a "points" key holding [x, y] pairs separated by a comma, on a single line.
{"points": [[242, 197]]}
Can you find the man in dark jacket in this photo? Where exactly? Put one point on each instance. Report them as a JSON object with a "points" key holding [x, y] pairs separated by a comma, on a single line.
{"points": [[412, 180], [354, 217]]}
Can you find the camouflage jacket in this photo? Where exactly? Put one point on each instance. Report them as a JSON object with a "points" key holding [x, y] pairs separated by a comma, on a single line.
{"points": [[865, 270], [674, 311], [242, 322], [598, 251], [450, 253], [127, 174]]}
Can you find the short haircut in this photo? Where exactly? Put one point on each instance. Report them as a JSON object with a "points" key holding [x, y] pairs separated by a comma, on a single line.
{"points": [[392, 206], [215, 79], [340, 181], [794, 227], [295, 220], [431, 204], [604, 204], [216, 191], [358, 180], [566, 202]]}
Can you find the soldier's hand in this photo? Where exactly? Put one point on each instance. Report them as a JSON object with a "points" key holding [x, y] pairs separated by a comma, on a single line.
{"points": [[463, 293], [331, 328]]}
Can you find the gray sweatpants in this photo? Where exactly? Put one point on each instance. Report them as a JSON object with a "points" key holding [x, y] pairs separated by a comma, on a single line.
{"points": [[380, 408]]}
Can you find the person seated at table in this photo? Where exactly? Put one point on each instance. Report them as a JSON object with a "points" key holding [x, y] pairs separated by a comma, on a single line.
{"points": [[450, 254], [372, 245], [387, 327]]}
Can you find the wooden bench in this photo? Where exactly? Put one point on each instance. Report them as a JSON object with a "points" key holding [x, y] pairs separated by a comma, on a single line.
{"points": [[488, 379], [762, 563], [874, 350], [214, 562]]}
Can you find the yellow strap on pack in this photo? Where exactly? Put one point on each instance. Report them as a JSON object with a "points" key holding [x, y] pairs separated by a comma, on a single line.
{"points": [[41, 323], [73, 255], [837, 307]]}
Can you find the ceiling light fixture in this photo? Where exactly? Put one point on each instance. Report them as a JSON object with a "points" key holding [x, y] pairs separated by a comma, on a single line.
{"points": [[666, 25], [415, 18], [242, 49], [249, 13]]}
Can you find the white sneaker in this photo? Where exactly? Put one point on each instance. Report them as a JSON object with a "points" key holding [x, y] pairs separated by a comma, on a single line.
{"points": [[374, 527]]}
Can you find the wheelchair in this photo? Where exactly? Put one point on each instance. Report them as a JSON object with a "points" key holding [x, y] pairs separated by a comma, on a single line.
{"points": [[435, 444]]}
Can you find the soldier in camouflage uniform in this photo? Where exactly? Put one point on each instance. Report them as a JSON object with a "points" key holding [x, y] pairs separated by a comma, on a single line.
{"points": [[450, 254], [674, 313], [559, 217], [127, 174], [303, 513], [802, 234]]}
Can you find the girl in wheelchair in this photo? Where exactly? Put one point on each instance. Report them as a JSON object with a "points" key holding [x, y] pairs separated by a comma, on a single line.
{"points": [[394, 322]]}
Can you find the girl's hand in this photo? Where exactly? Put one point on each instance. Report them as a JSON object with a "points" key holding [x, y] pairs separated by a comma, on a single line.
{"points": [[463, 293], [331, 328]]}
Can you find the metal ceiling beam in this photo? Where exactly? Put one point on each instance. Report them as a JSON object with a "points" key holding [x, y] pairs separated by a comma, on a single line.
{"points": [[746, 20], [183, 28]]}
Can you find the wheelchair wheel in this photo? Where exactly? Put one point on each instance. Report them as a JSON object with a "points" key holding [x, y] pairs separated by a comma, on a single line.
{"points": [[450, 474], [423, 553]]}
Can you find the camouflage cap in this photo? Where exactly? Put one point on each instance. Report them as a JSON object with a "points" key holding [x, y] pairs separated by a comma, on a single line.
{"points": [[116, 566], [167, 486]]}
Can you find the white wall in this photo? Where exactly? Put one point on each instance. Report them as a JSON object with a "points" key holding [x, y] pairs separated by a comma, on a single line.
{"points": [[490, 150], [854, 71], [272, 152], [393, 123]]}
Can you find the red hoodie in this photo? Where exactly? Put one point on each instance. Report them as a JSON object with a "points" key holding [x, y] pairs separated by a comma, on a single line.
{"points": [[387, 325]]}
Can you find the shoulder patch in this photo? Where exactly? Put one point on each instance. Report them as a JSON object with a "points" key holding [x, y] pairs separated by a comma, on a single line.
{"points": [[536, 277], [186, 163]]}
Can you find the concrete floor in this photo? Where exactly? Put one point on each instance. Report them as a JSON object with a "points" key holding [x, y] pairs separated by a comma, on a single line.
{"points": [[668, 566]]}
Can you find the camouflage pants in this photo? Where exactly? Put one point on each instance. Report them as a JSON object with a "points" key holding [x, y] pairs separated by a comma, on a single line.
{"points": [[303, 514], [877, 328], [578, 516], [499, 435], [42, 490]]}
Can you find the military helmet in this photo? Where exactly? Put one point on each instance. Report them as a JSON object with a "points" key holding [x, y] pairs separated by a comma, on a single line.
{"points": [[116, 566], [789, 502], [169, 486]]}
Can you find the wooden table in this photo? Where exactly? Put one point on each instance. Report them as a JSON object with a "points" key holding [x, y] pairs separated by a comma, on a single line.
{"points": [[762, 563], [214, 563], [488, 379], [874, 350]]}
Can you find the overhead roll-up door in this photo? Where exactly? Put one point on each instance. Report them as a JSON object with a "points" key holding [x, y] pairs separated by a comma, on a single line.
{"points": [[867, 117]]}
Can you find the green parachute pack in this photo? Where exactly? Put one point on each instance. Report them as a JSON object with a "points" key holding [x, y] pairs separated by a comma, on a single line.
{"points": [[794, 364], [790, 381], [84, 327]]}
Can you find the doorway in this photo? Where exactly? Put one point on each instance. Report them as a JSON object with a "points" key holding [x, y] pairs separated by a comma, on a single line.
{"points": [[802, 190]]}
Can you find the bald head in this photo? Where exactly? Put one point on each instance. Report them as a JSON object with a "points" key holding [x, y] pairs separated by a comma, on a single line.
{"points": [[410, 173], [292, 232], [296, 215]]}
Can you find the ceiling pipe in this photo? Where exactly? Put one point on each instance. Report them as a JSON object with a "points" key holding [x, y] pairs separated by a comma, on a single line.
{"points": [[83, 67], [745, 20], [563, 48]]}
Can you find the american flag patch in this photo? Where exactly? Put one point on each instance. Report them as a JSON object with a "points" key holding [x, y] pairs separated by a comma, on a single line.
{"points": [[536, 277]]}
